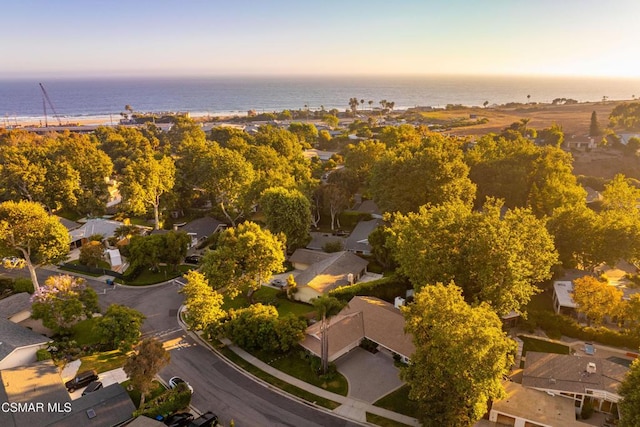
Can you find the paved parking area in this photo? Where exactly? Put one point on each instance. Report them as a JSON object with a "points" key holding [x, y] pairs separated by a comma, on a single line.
{"points": [[370, 376]]}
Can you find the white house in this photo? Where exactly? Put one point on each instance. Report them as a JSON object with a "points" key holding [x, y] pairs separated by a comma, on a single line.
{"points": [[18, 345], [562, 290]]}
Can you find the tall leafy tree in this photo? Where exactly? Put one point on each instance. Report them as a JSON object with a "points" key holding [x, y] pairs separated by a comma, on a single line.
{"points": [[204, 305], [287, 212], [174, 248], [120, 326], [594, 126], [144, 183], [577, 234], [434, 172], [63, 301], [143, 365], [245, 258], [460, 358], [26, 228], [629, 389], [494, 258], [596, 299], [361, 158]]}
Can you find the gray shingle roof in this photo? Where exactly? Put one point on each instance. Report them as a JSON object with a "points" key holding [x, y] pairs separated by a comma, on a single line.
{"points": [[14, 336], [332, 272], [202, 227], [308, 256], [14, 304], [358, 239]]}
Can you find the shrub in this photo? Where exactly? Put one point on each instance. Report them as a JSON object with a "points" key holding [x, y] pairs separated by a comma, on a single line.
{"points": [[332, 246], [43, 354], [386, 289], [167, 403], [22, 284]]}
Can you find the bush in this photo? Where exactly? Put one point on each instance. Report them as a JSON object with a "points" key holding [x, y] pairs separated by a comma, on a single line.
{"points": [[43, 354], [167, 403], [349, 219], [23, 285], [332, 246], [386, 289]]}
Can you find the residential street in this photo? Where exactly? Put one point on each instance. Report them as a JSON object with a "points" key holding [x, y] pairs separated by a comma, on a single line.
{"points": [[217, 386]]}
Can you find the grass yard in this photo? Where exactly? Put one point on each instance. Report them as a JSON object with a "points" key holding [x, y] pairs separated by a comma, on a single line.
{"points": [[398, 401], [103, 362], [268, 294], [533, 344], [303, 394], [164, 273], [83, 332], [297, 367], [382, 421], [156, 390]]}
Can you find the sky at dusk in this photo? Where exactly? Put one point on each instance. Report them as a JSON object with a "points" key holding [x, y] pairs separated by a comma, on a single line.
{"points": [[89, 38]]}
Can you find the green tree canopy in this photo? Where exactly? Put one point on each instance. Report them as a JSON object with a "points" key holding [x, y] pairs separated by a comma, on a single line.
{"points": [[461, 356], [26, 228], [434, 172], [245, 258], [204, 305], [143, 365], [62, 301], [287, 212], [494, 258], [91, 254], [145, 181], [629, 389], [120, 327]]}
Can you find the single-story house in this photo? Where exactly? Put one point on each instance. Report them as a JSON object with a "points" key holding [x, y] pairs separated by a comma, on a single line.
{"points": [[577, 378], [302, 259], [16, 307], [562, 290], [200, 229], [369, 207], [523, 407], [322, 155], [18, 345], [104, 227], [337, 269], [364, 317], [625, 137], [358, 240], [143, 421], [41, 383], [68, 224]]}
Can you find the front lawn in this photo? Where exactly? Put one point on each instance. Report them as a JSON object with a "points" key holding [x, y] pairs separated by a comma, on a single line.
{"points": [[398, 401], [104, 361], [164, 273], [543, 346], [294, 364], [267, 295]]}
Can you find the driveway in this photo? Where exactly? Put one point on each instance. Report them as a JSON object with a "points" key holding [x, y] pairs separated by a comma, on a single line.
{"points": [[370, 376]]}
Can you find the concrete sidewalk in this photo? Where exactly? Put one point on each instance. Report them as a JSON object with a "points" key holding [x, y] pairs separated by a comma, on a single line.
{"points": [[351, 408]]}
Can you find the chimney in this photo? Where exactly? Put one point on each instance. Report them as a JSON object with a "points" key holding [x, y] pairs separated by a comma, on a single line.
{"points": [[591, 368]]}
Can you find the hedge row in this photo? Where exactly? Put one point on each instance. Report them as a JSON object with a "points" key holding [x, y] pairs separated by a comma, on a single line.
{"points": [[386, 289], [556, 326]]}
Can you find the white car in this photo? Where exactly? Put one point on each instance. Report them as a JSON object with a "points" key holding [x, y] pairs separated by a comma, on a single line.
{"points": [[174, 381]]}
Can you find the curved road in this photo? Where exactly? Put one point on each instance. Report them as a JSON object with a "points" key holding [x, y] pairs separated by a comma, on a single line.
{"points": [[217, 386]]}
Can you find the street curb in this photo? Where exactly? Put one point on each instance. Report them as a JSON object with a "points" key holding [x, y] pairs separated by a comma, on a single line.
{"points": [[260, 381]]}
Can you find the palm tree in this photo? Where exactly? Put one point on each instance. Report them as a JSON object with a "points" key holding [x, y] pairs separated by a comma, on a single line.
{"points": [[326, 307], [485, 103], [371, 105], [528, 98]]}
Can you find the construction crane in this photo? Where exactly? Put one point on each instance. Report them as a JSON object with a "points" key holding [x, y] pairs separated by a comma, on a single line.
{"points": [[45, 97]]}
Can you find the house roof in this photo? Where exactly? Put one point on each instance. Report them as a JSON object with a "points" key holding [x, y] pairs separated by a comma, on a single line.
{"points": [[69, 225], [111, 406], [568, 373], [537, 406], [331, 272], [13, 336], [143, 421], [368, 317], [104, 227], [563, 290], [368, 206], [308, 256], [14, 304], [202, 227], [38, 382], [358, 240]]}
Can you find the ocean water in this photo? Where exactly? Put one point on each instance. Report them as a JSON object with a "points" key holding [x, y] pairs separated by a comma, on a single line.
{"points": [[23, 100]]}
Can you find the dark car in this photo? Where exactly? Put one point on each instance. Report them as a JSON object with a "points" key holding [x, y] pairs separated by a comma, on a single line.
{"points": [[179, 420], [81, 380], [93, 386], [207, 419], [193, 259], [340, 233]]}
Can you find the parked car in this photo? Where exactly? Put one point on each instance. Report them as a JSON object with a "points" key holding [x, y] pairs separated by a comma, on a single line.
{"points": [[279, 283], [12, 262], [175, 381], [81, 380], [93, 386], [207, 419], [193, 259], [340, 233], [181, 419]]}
